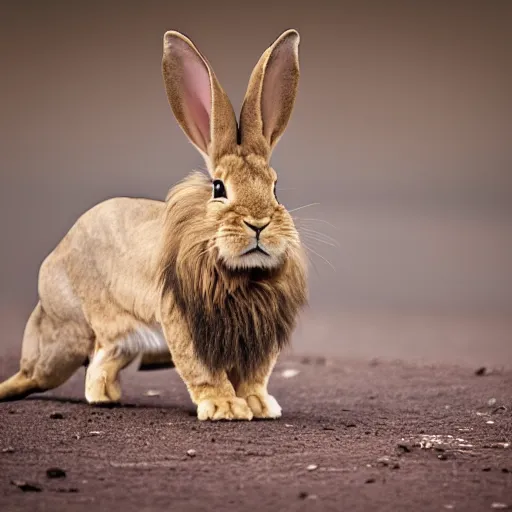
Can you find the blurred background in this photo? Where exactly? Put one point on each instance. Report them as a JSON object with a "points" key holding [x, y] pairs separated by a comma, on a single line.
{"points": [[402, 133]]}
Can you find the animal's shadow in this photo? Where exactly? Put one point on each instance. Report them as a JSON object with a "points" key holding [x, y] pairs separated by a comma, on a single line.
{"points": [[120, 405], [185, 409]]}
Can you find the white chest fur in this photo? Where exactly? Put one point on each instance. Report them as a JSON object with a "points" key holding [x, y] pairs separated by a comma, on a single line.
{"points": [[146, 338]]}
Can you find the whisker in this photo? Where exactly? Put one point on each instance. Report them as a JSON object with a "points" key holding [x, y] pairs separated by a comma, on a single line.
{"points": [[311, 237], [310, 260], [315, 220], [301, 207], [320, 256], [321, 235]]}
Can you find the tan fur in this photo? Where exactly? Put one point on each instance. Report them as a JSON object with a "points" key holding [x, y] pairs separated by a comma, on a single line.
{"points": [[177, 278], [241, 317]]}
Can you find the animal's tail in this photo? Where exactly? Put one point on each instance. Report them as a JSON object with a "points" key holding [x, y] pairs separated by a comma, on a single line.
{"points": [[17, 387]]}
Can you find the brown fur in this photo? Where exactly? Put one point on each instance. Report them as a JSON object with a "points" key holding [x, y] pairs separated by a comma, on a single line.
{"points": [[237, 318], [187, 282]]}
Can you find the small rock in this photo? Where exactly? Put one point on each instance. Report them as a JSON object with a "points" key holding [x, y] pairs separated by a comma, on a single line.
{"points": [[505, 470], [498, 409], [383, 461], [55, 473], [152, 392], [449, 506], [291, 372], [95, 433], [481, 371], [403, 448], [498, 505], [26, 486], [191, 453], [303, 495], [490, 422], [9, 449], [496, 445], [328, 428], [370, 481], [446, 456], [486, 469], [395, 465], [312, 467], [56, 416], [491, 402]]}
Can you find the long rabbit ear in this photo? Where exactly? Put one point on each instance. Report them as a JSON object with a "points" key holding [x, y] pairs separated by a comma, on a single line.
{"points": [[270, 96], [197, 100]]}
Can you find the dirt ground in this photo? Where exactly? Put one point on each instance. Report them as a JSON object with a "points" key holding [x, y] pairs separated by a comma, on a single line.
{"points": [[354, 436]]}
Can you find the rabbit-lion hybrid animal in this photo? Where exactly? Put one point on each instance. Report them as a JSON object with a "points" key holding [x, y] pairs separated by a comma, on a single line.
{"points": [[215, 275]]}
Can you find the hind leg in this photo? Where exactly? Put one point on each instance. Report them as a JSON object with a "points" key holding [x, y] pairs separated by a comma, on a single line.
{"points": [[102, 383], [52, 351], [17, 387]]}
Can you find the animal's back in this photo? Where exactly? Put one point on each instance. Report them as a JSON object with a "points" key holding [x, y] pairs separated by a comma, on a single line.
{"points": [[106, 252]]}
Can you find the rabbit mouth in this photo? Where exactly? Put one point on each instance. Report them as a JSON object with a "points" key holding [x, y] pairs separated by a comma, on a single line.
{"points": [[255, 250]]}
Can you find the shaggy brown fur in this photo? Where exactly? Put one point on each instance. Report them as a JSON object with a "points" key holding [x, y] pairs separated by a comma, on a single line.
{"points": [[238, 318]]}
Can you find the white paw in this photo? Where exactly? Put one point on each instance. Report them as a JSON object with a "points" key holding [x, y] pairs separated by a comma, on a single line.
{"points": [[264, 406], [224, 409]]}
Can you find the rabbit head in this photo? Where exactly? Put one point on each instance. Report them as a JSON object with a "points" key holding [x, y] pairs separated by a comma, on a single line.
{"points": [[249, 228]]}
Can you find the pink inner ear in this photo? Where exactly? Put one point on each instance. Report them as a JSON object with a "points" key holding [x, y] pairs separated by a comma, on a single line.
{"points": [[276, 93], [197, 99]]}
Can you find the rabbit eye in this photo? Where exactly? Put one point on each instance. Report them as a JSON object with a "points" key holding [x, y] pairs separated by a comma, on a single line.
{"points": [[218, 189]]}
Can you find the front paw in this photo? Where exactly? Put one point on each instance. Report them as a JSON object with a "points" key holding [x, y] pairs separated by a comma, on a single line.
{"points": [[232, 408], [264, 406]]}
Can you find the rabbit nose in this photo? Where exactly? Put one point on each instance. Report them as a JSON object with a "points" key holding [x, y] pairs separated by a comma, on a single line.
{"points": [[257, 226]]}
